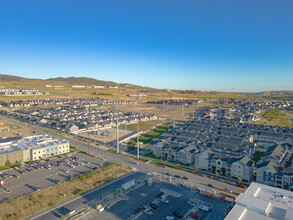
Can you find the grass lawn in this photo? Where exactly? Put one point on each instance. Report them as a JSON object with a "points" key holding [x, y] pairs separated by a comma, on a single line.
{"points": [[224, 105], [148, 137], [28, 205], [140, 159], [257, 156], [150, 155], [278, 118], [142, 126], [113, 151]]}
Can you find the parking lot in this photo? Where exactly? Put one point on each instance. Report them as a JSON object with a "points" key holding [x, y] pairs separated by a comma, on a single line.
{"points": [[136, 204], [36, 176]]}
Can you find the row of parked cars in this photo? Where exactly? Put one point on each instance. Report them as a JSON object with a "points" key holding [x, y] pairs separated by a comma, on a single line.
{"points": [[177, 176]]}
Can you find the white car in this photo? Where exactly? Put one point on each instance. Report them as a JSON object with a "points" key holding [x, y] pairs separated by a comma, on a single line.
{"points": [[148, 212], [169, 218], [191, 203], [164, 200], [228, 190]]}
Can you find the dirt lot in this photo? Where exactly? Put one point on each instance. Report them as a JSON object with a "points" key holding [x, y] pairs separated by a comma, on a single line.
{"points": [[8, 130], [166, 112], [107, 135]]}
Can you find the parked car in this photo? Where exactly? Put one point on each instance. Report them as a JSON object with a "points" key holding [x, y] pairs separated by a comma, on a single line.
{"points": [[164, 200], [186, 178], [36, 188], [241, 186], [148, 212], [210, 185], [204, 208], [137, 210], [177, 214], [154, 206], [228, 190], [169, 218], [191, 203], [177, 176]]}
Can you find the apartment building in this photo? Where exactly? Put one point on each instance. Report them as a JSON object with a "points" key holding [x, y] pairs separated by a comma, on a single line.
{"points": [[237, 167], [31, 148]]}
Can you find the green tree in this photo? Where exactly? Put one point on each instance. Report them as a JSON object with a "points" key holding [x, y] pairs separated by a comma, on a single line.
{"points": [[195, 169], [217, 174], [239, 180], [8, 164]]}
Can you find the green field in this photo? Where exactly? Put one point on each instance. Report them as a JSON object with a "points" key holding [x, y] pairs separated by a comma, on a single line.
{"points": [[142, 126], [150, 155], [148, 137], [278, 118]]}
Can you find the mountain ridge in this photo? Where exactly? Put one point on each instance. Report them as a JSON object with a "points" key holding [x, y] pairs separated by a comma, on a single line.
{"points": [[65, 81]]}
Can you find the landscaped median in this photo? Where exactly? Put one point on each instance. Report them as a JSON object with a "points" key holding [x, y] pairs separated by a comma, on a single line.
{"points": [[28, 205]]}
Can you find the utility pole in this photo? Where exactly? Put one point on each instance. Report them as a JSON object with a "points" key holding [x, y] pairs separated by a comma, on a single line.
{"points": [[117, 133], [174, 124], [137, 142], [88, 140]]}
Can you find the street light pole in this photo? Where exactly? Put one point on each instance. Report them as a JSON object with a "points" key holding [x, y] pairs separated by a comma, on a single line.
{"points": [[137, 142], [117, 133]]}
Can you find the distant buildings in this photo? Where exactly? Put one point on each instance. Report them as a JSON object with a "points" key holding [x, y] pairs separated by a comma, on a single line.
{"points": [[262, 202], [78, 87], [22, 92], [31, 148], [138, 95]]}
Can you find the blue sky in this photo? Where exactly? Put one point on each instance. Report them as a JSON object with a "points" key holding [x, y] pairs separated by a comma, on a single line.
{"points": [[189, 44]]}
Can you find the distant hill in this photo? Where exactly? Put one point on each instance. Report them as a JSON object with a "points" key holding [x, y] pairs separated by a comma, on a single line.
{"points": [[9, 78], [276, 93], [10, 81]]}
